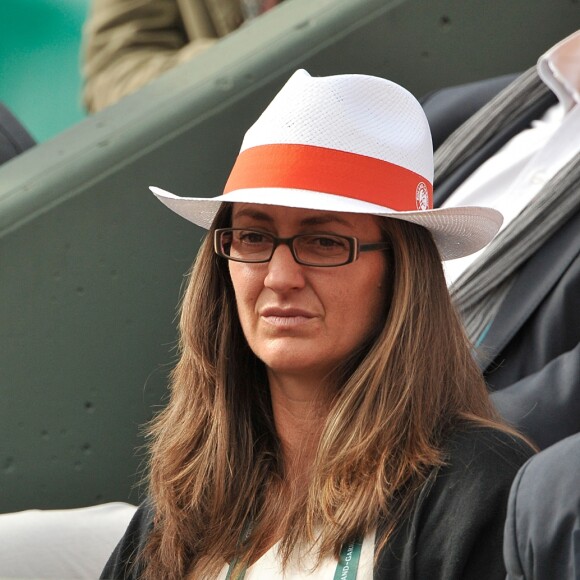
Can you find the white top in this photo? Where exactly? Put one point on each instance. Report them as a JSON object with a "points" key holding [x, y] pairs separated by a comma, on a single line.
{"points": [[512, 177], [302, 566]]}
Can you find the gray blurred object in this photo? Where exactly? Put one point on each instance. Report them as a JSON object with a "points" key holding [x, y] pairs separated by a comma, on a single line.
{"points": [[14, 138], [61, 544], [91, 264]]}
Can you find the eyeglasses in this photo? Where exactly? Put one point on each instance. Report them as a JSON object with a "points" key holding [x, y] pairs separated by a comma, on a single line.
{"points": [[322, 250]]}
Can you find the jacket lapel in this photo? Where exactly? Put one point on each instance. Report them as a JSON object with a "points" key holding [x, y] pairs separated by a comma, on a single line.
{"points": [[536, 279]]}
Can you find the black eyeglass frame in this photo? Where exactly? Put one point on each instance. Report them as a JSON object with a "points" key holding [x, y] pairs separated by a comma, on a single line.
{"points": [[355, 247]]}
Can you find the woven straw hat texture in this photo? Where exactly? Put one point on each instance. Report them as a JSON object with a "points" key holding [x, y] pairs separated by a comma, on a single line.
{"points": [[347, 143]]}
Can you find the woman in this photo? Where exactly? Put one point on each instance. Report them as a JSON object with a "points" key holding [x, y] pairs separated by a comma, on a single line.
{"points": [[326, 419]]}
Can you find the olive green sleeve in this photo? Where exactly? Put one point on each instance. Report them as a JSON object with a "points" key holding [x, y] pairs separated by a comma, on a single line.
{"points": [[127, 43]]}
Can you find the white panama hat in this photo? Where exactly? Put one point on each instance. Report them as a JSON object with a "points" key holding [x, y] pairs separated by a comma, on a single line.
{"points": [[346, 143]]}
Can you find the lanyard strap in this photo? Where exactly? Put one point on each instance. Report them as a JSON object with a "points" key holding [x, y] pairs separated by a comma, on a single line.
{"points": [[346, 569], [347, 566], [229, 575]]}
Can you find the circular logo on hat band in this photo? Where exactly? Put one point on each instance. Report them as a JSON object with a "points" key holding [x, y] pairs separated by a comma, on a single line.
{"points": [[422, 196]]}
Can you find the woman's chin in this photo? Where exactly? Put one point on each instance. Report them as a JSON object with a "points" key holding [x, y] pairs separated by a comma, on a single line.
{"points": [[297, 364]]}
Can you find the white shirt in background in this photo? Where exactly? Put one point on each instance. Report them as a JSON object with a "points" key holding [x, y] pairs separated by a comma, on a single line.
{"points": [[511, 178]]}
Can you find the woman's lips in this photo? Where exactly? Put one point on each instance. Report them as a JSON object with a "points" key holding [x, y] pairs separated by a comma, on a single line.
{"points": [[286, 317]]}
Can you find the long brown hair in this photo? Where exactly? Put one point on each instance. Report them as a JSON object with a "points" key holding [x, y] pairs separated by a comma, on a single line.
{"points": [[215, 455]]}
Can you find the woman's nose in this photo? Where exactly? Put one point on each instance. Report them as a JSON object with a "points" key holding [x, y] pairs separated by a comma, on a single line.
{"points": [[284, 273]]}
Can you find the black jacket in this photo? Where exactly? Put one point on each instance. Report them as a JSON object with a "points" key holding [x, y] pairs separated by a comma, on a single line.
{"points": [[454, 531]]}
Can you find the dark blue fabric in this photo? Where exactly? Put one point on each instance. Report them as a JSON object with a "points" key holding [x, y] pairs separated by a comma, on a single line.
{"points": [[542, 533]]}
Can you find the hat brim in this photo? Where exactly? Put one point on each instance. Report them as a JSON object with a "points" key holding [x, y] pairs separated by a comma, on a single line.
{"points": [[457, 231]]}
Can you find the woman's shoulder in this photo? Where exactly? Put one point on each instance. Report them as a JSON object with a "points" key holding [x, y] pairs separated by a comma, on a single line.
{"points": [[455, 529], [485, 452]]}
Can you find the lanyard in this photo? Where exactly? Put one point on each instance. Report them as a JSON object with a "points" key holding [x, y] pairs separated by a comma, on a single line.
{"points": [[347, 566], [346, 569]]}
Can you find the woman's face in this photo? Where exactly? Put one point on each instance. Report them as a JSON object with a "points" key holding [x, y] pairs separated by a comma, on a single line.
{"points": [[303, 319]]}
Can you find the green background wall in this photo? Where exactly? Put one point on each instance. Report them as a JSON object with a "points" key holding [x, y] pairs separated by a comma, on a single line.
{"points": [[40, 79]]}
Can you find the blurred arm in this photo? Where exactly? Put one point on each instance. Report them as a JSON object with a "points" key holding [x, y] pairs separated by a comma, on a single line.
{"points": [[127, 43]]}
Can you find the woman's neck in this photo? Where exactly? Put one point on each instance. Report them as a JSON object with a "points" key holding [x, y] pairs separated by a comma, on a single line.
{"points": [[300, 410]]}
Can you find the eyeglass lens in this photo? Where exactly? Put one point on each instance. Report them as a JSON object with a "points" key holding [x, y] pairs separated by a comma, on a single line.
{"points": [[314, 249]]}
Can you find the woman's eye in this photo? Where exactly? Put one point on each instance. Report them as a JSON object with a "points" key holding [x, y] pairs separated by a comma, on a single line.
{"points": [[252, 238], [328, 242]]}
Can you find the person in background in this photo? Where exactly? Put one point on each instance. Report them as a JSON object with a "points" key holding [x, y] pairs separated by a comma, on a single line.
{"points": [[542, 533], [14, 138], [128, 43], [519, 298], [326, 417]]}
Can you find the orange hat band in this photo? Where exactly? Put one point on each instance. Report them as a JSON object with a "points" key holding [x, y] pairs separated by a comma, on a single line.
{"points": [[330, 171]]}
